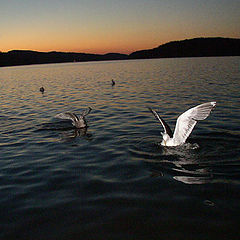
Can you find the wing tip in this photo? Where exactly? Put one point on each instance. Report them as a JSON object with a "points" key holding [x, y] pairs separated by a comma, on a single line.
{"points": [[153, 112], [213, 104], [57, 115], [148, 107]]}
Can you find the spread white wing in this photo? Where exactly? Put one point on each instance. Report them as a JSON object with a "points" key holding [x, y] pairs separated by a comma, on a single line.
{"points": [[67, 115], [187, 121]]}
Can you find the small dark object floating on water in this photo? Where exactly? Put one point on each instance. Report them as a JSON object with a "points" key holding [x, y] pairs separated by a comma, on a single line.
{"points": [[113, 82], [42, 89]]}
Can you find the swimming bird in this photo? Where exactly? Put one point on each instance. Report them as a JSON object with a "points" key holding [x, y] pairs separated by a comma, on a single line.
{"points": [[78, 122], [185, 124], [42, 89], [113, 82]]}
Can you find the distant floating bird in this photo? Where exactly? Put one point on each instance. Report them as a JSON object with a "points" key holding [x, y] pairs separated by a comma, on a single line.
{"points": [[185, 124], [42, 89], [78, 122], [113, 82]]}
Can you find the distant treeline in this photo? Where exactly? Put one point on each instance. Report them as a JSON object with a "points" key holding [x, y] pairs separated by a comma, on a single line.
{"points": [[197, 47], [22, 57]]}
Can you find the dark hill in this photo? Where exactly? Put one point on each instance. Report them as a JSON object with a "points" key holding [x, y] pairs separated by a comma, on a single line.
{"points": [[197, 47], [22, 57]]}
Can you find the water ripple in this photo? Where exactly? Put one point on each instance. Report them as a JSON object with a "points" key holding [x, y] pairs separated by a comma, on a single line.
{"points": [[114, 177]]}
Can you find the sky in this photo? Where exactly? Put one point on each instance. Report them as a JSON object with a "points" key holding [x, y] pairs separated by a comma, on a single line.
{"points": [[104, 26]]}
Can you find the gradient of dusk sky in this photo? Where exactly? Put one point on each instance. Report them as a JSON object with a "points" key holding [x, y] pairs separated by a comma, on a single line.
{"points": [[101, 26]]}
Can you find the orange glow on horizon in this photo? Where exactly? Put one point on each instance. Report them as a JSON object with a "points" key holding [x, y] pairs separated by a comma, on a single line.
{"points": [[95, 46], [92, 47]]}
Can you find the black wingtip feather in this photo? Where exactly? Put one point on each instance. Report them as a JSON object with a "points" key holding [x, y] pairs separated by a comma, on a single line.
{"points": [[166, 128]]}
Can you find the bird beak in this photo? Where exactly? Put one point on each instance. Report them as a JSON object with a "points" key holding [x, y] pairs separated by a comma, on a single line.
{"points": [[164, 142]]}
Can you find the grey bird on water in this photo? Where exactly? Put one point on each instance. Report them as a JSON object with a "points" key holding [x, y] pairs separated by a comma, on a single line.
{"points": [[77, 121]]}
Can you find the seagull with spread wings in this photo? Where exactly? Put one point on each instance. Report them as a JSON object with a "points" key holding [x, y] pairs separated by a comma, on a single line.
{"points": [[185, 124], [78, 122]]}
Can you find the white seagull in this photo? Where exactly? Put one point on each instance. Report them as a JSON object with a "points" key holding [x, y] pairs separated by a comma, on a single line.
{"points": [[78, 122], [185, 124]]}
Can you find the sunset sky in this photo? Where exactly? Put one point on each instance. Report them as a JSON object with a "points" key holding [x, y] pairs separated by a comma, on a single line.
{"points": [[101, 26]]}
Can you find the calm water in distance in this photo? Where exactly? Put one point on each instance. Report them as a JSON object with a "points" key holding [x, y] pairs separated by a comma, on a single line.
{"points": [[114, 181]]}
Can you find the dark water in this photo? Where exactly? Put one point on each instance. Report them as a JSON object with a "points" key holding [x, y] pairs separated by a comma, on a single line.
{"points": [[114, 181]]}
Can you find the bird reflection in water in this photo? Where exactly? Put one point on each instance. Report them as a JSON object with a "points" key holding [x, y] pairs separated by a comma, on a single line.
{"points": [[182, 163], [75, 133]]}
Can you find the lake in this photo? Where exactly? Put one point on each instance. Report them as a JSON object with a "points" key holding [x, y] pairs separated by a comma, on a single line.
{"points": [[114, 180]]}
